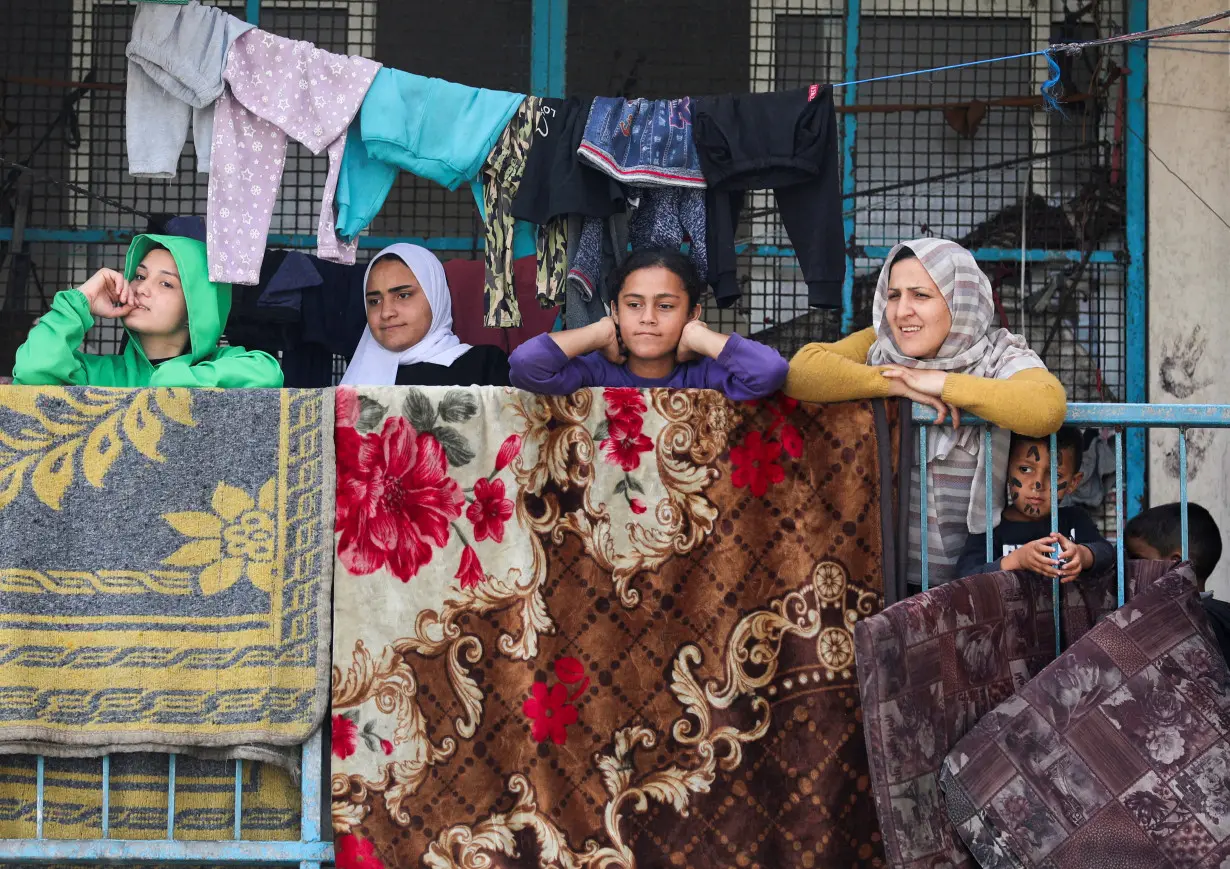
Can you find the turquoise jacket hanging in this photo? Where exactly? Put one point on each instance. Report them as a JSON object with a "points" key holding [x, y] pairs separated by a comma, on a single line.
{"points": [[433, 128]]}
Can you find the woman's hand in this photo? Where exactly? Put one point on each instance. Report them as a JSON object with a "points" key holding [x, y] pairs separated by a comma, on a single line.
{"points": [[109, 294], [900, 388], [926, 381]]}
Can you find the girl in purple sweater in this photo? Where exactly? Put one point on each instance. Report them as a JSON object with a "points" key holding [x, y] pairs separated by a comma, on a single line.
{"points": [[653, 337]]}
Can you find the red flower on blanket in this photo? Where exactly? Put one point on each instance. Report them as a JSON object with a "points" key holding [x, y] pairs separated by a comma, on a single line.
{"points": [[509, 450], [394, 499], [490, 510], [625, 442], [784, 405], [637, 506], [346, 406], [352, 852], [345, 736], [550, 710], [792, 441], [756, 464], [781, 407], [470, 572], [623, 401]]}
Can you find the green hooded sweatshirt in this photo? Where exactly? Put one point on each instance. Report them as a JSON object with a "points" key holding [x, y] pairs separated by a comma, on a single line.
{"points": [[52, 356]]}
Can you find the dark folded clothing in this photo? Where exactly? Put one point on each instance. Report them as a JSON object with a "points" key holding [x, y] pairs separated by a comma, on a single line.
{"points": [[555, 182], [335, 317], [785, 141], [1218, 612], [254, 326]]}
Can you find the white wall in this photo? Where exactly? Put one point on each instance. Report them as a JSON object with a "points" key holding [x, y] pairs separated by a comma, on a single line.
{"points": [[1189, 258]]}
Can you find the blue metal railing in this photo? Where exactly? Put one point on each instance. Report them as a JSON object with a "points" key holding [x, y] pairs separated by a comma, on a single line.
{"points": [[307, 853], [854, 12], [1122, 418]]}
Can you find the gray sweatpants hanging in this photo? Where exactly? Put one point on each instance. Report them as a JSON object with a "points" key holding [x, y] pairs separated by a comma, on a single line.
{"points": [[175, 63]]}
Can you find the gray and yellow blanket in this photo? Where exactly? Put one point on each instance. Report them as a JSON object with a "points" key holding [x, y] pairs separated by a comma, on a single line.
{"points": [[165, 570]]}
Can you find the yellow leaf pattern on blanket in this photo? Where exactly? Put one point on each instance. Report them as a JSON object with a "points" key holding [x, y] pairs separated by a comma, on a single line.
{"points": [[91, 425]]}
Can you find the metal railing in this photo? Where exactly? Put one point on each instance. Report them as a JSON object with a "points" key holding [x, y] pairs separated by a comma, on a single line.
{"points": [[307, 853], [1121, 418]]}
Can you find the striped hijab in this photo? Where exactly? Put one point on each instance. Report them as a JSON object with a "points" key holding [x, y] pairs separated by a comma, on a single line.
{"points": [[972, 345], [955, 461]]}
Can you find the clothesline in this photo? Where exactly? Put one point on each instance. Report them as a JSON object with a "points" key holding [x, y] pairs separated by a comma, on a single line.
{"points": [[1186, 28], [856, 108]]}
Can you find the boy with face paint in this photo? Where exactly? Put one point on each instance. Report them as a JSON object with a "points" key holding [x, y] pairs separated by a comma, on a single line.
{"points": [[1023, 538]]}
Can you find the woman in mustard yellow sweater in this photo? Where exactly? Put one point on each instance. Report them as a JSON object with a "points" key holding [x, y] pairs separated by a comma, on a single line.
{"points": [[932, 341]]}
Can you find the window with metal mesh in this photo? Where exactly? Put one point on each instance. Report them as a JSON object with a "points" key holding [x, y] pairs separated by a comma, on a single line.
{"points": [[967, 154], [77, 135]]}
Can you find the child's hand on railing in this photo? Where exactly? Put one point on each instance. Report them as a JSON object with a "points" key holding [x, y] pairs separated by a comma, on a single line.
{"points": [[1075, 558], [1037, 555]]}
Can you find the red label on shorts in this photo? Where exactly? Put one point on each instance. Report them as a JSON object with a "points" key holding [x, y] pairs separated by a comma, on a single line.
{"points": [[812, 91]]}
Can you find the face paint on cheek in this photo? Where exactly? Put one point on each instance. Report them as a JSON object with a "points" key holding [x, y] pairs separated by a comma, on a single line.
{"points": [[1014, 486]]}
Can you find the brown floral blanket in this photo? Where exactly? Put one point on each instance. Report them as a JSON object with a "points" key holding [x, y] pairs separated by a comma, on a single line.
{"points": [[611, 629]]}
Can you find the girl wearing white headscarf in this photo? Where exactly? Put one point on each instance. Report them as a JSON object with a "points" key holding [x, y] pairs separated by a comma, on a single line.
{"points": [[409, 338], [932, 340]]}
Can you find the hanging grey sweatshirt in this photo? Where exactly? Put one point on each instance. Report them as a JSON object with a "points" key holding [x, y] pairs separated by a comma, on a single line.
{"points": [[175, 63]]}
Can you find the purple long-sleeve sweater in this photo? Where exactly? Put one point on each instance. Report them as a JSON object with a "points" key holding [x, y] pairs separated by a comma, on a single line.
{"points": [[744, 370]]}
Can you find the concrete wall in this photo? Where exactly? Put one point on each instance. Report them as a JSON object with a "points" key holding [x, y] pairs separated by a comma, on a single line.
{"points": [[1189, 258]]}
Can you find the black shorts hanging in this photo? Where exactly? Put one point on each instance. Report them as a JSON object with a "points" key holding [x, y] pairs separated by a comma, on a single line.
{"points": [[787, 142]]}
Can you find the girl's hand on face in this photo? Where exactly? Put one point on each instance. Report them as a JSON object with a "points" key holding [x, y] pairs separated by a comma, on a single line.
{"points": [[609, 344], [898, 388], [689, 347], [109, 294]]}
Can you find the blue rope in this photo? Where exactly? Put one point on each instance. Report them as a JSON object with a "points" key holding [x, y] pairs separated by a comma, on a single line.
{"points": [[1051, 90], [943, 68]]}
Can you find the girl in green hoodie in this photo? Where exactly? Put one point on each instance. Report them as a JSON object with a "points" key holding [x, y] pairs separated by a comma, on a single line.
{"points": [[174, 316]]}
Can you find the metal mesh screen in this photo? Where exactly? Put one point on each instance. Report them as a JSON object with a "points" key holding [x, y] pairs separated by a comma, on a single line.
{"points": [[78, 135], [965, 154], [960, 154], [38, 127]]}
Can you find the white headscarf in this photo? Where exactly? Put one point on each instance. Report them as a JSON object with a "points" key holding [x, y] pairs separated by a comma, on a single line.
{"points": [[973, 346], [373, 365]]}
